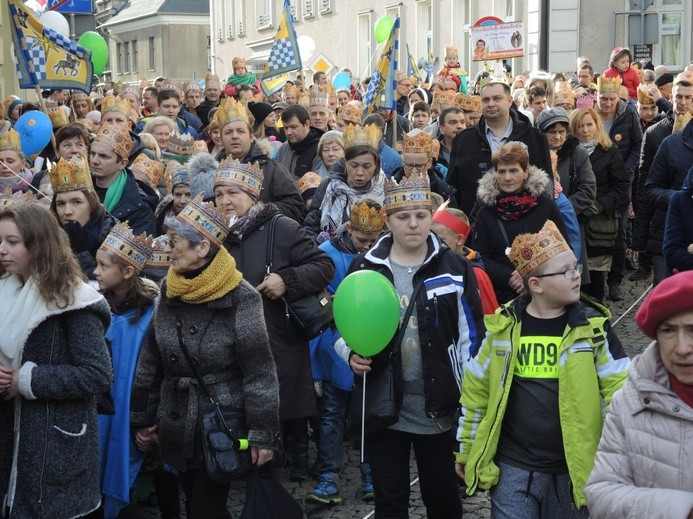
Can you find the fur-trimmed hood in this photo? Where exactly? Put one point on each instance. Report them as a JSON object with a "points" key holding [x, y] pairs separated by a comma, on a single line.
{"points": [[488, 191]]}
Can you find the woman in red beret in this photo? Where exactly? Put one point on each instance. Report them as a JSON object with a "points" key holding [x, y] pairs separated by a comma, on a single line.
{"points": [[644, 463]]}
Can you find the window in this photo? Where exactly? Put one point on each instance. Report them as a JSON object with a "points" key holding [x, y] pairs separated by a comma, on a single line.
{"points": [[308, 8], [263, 11], [424, 30], [119, 54], [134, 56], [670, 33], [364, 35], [152, 62], [325, 6]]}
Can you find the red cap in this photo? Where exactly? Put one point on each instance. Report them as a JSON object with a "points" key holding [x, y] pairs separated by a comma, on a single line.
{"points": [[451, 222], [671, 297]]}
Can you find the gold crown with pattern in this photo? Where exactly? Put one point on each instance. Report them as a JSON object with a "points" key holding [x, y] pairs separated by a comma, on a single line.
{"points": [[181, 144], [71, 175], [468, 103], [10, 141], [129, 89], [417, 141], [368, 135], [531, 250], [58, 116], [199, 147], [111, 103], [78, 95], [159, 261], [246, 177], [132, 250], [230, 111], [8, 198], [191, 86], [643, 98], [444, 98], [117, 138], [310, 180], [318, 97], [172, 87], [365, 218], [205, 219], [291, 90], [411, 193], [152, 169], [350, 113], [680, 121], [563, 94], [608, 85]]}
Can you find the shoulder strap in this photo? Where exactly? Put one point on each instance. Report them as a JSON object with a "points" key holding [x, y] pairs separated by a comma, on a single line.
{"points": [[407, 314], [270, 242], [502, 230]]}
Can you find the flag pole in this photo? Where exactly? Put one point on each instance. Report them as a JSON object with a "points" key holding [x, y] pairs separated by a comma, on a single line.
{"points": [[394, 129], [42, 104]]}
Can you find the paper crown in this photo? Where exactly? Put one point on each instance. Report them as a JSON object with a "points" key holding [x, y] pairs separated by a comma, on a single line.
{"points": [[115, 104], [71, 175], [643, 98], [318, 98], [199, 147], [487, 80], [237, 62], [211, 78], [531, 250], [152, 169], [451, 52], [400, 75], [450, 221], [58, 117], [128, 248], [468, 103], [444, 98], [129, 89], [230, 111], [78, 95], [366, 216], [8, 198], [412, 192], [368, 135], [417, 141], [234, 173], [606, 85], [563, 94], [205, 219], [181, 144], [191, 86], [117, 138], [160, 261], [310, 180], [170, 86], [349, 113], [10, 141], [290, 89], [680, 121]]}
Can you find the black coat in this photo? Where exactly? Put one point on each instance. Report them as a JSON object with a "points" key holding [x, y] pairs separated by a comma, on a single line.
{"points": [[203, 110], [626, 135], [136, 206], [95, 232], [300, 158], [678, 231], [470, 156]]}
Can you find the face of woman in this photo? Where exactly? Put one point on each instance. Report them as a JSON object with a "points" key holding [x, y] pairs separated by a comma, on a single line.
{"points": [[360, 170], [181, 196], [14, 255], [414, 98], [587, 129], [331, 153], [410, 229], [183, 255], [216, 137], [162, 134], [232, 201], [72, 147], [556, 135], [72, 207], [510, 177], [81, 108], [13, 161]]}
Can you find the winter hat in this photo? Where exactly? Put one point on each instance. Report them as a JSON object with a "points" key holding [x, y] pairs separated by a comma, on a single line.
{"points": [[260, 111], [669, 298], [664, 79], [618, 53], [202, 168], [551, 116]]}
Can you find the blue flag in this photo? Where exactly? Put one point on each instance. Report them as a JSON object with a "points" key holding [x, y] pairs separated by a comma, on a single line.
{"points": [[284, 56], [381, 89]]}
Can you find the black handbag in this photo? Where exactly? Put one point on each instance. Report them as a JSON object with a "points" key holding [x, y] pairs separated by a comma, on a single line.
{"points": [[382, 401], [601, 230], [266, 498], [311, 315], [225, 450]]}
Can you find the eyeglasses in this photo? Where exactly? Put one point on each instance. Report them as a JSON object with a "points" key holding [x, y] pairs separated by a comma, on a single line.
{"points": [[568, 274], [415, 167]]}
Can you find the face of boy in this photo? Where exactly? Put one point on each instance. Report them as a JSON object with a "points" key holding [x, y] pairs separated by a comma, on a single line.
{"points": [[558, 290]]}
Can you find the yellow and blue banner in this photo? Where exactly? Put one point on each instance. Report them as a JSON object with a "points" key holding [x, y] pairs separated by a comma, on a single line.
{"points": [[284, 56], [45, 58], [381, 89]]}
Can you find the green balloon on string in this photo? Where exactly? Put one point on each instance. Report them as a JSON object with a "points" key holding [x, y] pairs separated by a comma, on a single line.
{"points": [[94, 42], [383, 28]]}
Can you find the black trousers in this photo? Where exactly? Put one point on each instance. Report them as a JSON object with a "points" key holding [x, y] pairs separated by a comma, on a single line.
{"points": [[204, 498], [389, 453], [595, 289]]}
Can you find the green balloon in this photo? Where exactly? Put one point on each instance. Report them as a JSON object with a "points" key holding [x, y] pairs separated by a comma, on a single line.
{"points": [[366, 311], [94, 42], [383, 28]]}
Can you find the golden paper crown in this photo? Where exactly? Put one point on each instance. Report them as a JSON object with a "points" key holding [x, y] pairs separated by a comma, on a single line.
{"points": [[181, 144], [349, 113], [160, 261], [117, 138], [191, 86], [563, 94], [152, 169], [680, 121], [310, 180], [606, 85], [468, 103], [531, 250], [451, 53], [115, 104], [129, 89], [357, 135], [445, 98], [290, 89], [8, 198], [128, 248], [234, 173], [78, 95], [417, 141], [411, 193], [71, 175], [643, 98], [237, 62], [435, 149], [10, 141], [172, 87], [211, 78], [366, 219], [205, 219], [318, 98], [230, 111], [58, 117], [199, 147]]}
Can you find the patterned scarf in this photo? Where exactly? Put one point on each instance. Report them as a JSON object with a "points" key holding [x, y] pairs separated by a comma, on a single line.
{"points": [[218, 279], [514, 207], [339, 198]]}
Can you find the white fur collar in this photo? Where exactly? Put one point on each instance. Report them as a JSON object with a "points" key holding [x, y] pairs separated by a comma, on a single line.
{"points": [[488, 188]]}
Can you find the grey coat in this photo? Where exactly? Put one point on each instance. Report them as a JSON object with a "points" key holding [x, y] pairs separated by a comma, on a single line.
{"points": [[58, 448], [229, 339]]}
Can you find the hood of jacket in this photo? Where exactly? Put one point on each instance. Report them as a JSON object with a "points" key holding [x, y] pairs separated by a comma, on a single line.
{"points": [[489, 191]]}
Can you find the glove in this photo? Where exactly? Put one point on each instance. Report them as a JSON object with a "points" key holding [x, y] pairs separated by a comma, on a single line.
{"points": [[78, 240]]}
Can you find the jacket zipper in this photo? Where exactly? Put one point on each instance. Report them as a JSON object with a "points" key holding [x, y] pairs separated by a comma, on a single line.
{"points": [[45, 446]]}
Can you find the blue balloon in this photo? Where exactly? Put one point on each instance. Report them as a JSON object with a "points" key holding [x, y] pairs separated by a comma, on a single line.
{"points": [[202, 83], [341, 81], [35, 131]]}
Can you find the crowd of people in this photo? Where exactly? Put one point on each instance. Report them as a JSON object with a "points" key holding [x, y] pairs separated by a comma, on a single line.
{"points": [[153, 252]]}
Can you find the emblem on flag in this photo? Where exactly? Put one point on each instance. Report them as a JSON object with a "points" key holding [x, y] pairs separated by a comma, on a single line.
{"points": [[284, 56], [381, 88]]}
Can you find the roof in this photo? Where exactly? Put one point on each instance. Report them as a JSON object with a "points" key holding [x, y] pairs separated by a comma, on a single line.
{"points": [[136, 9]]}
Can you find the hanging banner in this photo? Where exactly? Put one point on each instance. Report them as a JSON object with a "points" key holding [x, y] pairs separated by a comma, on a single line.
{"points": [[498, 41]]}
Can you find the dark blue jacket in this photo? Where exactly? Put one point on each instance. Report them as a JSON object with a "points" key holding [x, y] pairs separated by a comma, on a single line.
{"points": [[626, 134], [390, 160], [678, 232], [135, 206]]}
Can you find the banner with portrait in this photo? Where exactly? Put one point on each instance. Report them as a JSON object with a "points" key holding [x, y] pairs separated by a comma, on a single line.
{"points": [[498, 41]]}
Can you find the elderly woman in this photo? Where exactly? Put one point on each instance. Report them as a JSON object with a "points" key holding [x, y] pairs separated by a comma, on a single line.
{"points": [[513, 200], [220, 320], [14, 173], [162, 128], [644, 462], [353, 179], [330, 150], [298, 269]]}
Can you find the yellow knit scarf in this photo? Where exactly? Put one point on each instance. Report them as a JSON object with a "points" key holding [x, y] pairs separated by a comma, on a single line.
{"points": [[218, 279]]}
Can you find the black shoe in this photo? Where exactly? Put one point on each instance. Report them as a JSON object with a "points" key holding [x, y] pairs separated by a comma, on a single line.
{"points": [[615, 293], [299, 470], [640, 274]]}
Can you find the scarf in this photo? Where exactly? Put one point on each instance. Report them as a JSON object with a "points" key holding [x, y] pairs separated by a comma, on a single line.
{"points": [[115, 192], [16, 181], [589, 145], [339, 197], [242, 224], [218, 279], [514, 207], [246, 79]]}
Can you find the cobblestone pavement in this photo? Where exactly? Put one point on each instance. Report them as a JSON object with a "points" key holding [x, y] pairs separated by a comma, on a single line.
{"points": [[475, 507]]}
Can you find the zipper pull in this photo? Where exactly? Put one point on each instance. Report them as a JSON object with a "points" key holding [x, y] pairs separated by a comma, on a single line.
{"points": [[435, 419]]}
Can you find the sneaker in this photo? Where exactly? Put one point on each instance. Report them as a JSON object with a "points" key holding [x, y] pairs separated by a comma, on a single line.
{"points": [[326, 491], [640, 274], [615, 293], [299, 470], [367, 492]]}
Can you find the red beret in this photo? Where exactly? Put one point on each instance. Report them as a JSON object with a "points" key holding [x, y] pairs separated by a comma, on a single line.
{"points": [[671, 297]]}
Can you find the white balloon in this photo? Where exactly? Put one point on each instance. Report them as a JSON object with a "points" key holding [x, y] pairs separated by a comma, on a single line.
{"points": [[56, 21], [306, 47]]}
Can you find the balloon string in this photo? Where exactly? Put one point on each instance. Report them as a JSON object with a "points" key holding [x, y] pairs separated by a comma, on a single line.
{"points": [[28, 184], [363, 418]]}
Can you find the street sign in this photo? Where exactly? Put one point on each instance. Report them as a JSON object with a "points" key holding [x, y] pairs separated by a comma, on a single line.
{"points": [[642, 52], [651, 26], [70, 6]]}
